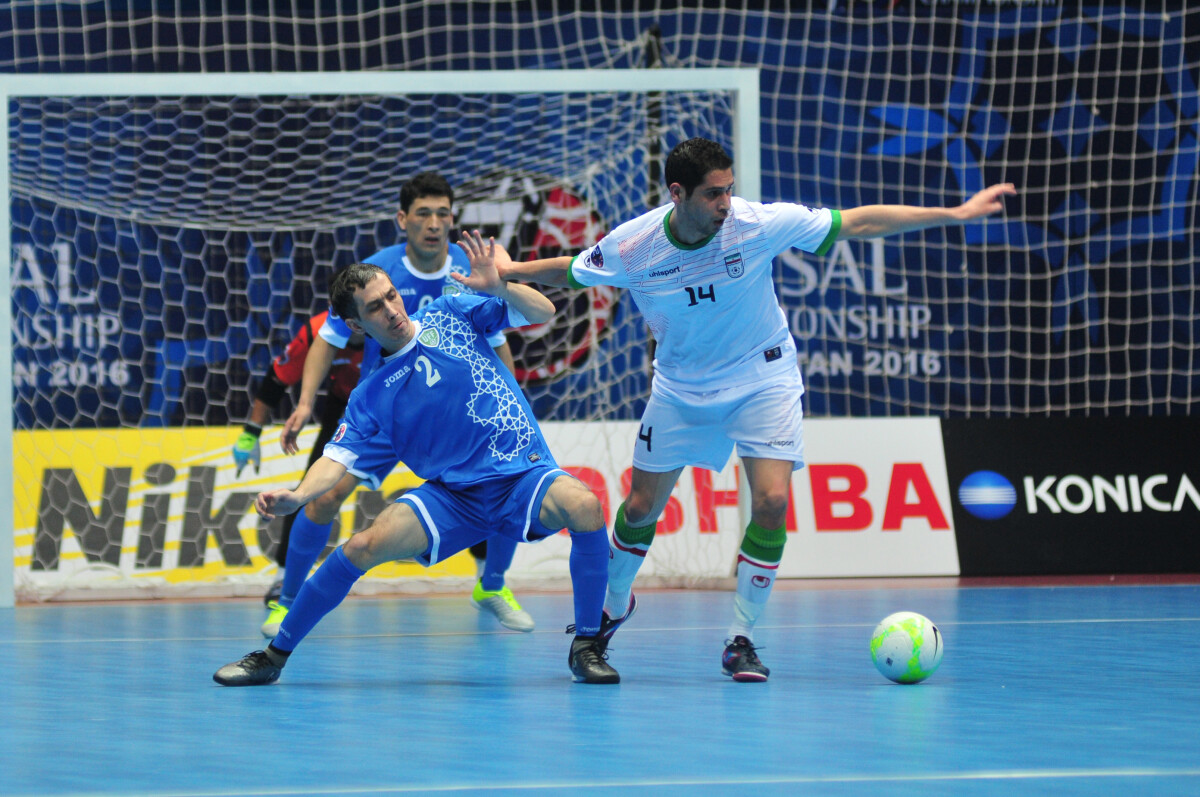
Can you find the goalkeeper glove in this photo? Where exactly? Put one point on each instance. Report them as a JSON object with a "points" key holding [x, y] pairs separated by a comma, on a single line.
{"points": [[247, 450]]}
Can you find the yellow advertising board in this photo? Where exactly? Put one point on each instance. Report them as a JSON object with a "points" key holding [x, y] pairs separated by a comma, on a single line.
{"points": [[131, 509]]}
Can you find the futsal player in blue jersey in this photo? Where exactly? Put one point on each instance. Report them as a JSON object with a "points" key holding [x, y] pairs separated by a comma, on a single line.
{"points": [[422, 268], [444, 404]]}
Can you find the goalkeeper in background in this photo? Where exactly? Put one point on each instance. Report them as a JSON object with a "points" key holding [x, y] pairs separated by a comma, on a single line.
{"points": [[285, 371], [725, 373], [422, 269]]}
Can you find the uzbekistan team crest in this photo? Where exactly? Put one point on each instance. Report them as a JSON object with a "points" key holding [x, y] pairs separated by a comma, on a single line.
{"points": [[734, 266], [429, 337]]}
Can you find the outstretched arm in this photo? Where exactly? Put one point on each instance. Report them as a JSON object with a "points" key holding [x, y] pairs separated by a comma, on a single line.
{"points": [[550, 271], [321, 477], [876, 221], [486, 278]]}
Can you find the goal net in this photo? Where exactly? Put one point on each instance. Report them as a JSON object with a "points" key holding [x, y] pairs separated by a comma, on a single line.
{"points": [[1079, 300], [167, 244]]}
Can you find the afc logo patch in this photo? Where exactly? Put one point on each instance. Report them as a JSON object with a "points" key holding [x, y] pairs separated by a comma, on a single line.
{"points": [[339, 434], [734, 266], [595, 258]]}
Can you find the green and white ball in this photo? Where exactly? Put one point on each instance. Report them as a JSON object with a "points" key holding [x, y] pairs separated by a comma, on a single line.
{"points": [[906, 647]]}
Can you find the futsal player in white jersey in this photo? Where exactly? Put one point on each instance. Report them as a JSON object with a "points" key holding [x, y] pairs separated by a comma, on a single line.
{"points": [[443, 403], [725, 371]]}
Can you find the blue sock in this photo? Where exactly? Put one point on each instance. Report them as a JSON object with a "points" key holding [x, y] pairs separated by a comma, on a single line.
{"points": [[500, 552], [589, 578], [304, 546], [318, 597]]}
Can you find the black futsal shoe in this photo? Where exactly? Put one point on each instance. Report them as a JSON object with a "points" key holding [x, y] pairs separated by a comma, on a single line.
{"points": [[253, 669], [588, 664], [740, 662]]}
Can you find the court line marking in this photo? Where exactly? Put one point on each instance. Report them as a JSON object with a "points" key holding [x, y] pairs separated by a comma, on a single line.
{"points": [[929, 777], [249, 639]]}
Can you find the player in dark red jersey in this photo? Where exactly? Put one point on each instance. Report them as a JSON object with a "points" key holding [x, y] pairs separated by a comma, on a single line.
{"points": [[286, 370]]}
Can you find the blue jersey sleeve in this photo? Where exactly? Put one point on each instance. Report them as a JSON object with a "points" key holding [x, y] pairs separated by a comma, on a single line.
{"points": [[359, 434], [488, 314]]}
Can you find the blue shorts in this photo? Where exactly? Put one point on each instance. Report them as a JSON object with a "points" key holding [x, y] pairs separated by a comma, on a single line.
{"points": [[457, 519]]}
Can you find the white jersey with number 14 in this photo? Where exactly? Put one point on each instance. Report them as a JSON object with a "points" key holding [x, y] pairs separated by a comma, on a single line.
{"points": [[710, 306]]}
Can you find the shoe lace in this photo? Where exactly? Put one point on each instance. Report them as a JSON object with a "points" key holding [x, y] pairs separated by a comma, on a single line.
{"points": [[746, 649], [591, 653]]}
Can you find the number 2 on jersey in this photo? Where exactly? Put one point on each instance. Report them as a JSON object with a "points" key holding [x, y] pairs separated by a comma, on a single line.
{"points": [[432, 375]]}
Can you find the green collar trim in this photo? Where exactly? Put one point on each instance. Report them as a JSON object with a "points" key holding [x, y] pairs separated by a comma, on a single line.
{"points": [[676, 243]]}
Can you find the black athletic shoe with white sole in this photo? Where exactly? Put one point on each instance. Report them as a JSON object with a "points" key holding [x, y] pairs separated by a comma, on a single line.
{"points": [[588, 664]]}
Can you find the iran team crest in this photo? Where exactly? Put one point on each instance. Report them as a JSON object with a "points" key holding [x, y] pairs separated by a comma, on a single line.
{"points": [[734, 266]]}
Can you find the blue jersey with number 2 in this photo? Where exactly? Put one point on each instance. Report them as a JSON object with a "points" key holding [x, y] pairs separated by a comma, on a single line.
{"points": [[445, 405]]}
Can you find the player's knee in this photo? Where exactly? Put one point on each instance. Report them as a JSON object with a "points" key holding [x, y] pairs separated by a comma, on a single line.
{"points": [[361, 550], [769, 508], [586, 513], [637, 510]]}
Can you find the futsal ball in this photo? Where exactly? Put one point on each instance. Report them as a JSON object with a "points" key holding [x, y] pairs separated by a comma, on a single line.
{"points": [[906, 647]]}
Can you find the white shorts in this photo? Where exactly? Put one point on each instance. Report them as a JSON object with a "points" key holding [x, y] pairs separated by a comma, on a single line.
{"points": [[681, 428]]}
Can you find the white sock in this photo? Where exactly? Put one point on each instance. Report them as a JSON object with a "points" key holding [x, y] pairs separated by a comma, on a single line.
{"points": [[624, 561], [755, 580]]}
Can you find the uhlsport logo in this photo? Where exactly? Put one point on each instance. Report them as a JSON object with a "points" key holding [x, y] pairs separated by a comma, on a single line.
{"points": [[987, 495]]}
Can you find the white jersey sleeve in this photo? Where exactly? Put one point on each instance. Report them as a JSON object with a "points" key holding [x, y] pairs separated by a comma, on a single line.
{"points": [[799, 226]]}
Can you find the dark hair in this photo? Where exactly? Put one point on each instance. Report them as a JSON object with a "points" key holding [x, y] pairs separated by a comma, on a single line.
{"points": [[348, 280], [691, 161], [425, 184]]}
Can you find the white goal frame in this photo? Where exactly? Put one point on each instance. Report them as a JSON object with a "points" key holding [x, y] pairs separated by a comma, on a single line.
{"points": [[741, 83]]}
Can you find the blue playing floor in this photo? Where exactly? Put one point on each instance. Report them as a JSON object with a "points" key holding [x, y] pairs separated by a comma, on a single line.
{"points": [[1043, 690]]}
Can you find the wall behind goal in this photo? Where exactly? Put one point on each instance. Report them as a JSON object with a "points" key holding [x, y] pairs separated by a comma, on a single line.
{"points": [[1081, 300]]}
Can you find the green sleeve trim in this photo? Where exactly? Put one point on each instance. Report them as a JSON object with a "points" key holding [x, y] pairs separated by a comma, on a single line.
{"points": [[574, 283], [834, 229]]}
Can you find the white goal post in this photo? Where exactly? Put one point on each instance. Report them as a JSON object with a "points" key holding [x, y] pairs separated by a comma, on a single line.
{"points": [[741, 85]]}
